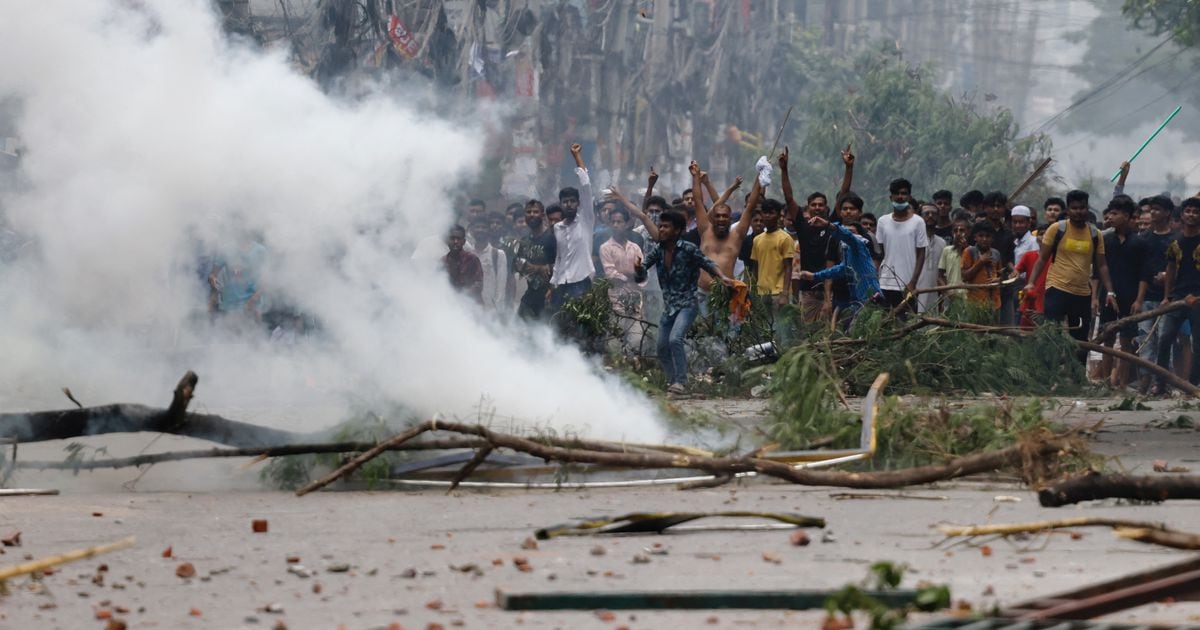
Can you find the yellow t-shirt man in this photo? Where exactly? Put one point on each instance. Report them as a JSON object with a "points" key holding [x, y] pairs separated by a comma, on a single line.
{"points": [[1072, 268], [770, 250]]}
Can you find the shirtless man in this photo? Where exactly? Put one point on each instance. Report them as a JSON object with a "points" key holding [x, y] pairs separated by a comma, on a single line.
{"points": [[719, 239]]}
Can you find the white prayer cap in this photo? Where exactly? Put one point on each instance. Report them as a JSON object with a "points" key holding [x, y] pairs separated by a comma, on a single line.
{"points": [[1021, 211]]}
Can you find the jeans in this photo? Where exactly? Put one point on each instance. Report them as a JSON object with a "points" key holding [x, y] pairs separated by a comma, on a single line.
{"points": [[672, 331], [1169, 325], [1076, 310], [1151, 332]]}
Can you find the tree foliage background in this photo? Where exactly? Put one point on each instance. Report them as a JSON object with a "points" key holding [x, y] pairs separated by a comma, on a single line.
{"points": [[1180, 18], [902, 125]]}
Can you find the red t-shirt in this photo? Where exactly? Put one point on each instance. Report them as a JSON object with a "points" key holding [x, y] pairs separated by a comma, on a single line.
{"points": [[1037, 301]]}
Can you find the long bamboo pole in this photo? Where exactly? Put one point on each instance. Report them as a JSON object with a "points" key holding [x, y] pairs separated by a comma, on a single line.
{"points": [[70, 556]]}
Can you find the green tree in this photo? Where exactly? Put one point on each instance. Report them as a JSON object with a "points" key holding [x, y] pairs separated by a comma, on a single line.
{"points": [[1132, 79], [902, 125], [1180, 18]]}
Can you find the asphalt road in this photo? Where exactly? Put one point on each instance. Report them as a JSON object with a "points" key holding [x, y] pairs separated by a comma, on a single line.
{"points": [[420, 557]]}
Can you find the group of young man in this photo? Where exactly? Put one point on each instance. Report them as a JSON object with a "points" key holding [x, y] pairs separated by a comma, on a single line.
{"points": [[987, 257]]}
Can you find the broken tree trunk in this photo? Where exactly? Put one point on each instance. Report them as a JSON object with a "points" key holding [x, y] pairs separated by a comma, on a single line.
{"points": [[1012, 456], [1139, 488], [39, 426]]}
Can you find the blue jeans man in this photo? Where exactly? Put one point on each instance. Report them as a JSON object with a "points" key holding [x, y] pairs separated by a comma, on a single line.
{"points": [[672, 332], [1169, 328]]}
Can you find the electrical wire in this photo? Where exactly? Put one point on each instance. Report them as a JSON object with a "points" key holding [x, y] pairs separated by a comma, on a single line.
{"points": [[1105, 86]]}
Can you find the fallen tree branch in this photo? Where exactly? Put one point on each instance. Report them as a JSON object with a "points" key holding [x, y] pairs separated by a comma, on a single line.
{"points": [[1109, 330], [40, 426], [1009, 529], [1150, 533], [1137, 488], [1016, 455], [277, 451], [1166, 375], [1163, 537], [1010, 331]]}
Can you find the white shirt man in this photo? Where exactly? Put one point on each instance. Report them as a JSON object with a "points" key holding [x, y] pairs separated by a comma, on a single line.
{"points": [[900, 240], [574, 261], [495, 276]]}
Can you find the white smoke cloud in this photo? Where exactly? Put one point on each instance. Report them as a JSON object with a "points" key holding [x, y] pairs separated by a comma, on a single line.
{"points": [[143, 129]]}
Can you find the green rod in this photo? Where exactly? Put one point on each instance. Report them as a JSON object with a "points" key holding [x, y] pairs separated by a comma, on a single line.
{"points": [[1148, 140]]}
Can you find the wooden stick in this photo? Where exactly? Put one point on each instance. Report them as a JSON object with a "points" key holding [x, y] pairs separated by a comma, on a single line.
{"points": [[466, 471], [260, 453], [1166, 375], [1041, 526], [971, 464], [952, 287], [1029, 180], [70, 556], [26, 492], [1110, 329], [370, 454], [782, 126]]}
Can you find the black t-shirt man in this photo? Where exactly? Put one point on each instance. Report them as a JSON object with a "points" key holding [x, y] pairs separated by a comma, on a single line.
{"points": [[1182, 250], [816, 247], [1154, 261], [1124, 265], [946, 233], [540, 250]]}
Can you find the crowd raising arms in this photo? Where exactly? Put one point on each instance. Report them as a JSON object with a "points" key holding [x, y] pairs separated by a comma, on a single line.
{"points": [[806, 256]]}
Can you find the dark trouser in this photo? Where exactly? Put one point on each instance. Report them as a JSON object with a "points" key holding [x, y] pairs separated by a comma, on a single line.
{"points": [[894, 298], [1008, 305], [1169, 325], [1075, 310], [533, 303], [564, 293]]}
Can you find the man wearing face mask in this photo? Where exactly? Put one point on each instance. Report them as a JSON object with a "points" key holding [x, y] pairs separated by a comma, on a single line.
{"points": [[903, 238], [573, 266]]}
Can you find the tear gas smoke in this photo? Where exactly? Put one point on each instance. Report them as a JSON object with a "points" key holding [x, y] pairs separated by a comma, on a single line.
{"points": [[145, 132]]}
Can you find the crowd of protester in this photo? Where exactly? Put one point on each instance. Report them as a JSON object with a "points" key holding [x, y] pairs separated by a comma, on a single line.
{"points": [[1002, 263]]}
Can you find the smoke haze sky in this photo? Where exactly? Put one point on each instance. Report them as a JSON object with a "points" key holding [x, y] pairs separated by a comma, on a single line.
{"points": [[144, 131]]}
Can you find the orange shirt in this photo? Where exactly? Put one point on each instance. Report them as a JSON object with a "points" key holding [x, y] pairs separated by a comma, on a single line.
{"points": [[987, 273]]}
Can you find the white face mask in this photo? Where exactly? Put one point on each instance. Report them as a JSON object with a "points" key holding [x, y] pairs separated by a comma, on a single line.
{"points": [[898, 205]]}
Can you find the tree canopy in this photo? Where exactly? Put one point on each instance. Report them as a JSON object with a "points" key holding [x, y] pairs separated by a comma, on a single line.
{"points": [[1180, 18], [903, 125]]}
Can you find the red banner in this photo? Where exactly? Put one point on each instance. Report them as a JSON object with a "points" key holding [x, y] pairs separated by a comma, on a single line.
{"points": [[402, 38]]}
